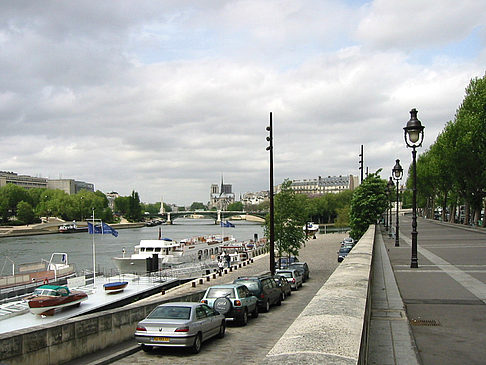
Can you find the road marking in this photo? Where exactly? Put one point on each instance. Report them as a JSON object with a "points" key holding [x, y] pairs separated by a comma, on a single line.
{"points": [[476, 287]]}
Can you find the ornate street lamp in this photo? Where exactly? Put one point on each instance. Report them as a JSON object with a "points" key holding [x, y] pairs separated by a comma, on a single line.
{"points": [[414, 135], [390, 188], [397, 175]]}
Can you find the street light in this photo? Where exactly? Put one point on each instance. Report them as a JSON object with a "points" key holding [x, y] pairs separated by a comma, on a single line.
{"points": [[272, 214], [390, 188], [414, 136], [397, 175]]}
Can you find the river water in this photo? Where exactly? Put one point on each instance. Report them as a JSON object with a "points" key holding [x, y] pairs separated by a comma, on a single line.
{"points": [[79, 246]]}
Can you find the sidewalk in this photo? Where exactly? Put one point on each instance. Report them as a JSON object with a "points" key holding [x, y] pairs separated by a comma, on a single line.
{"points": [[444, 298]]}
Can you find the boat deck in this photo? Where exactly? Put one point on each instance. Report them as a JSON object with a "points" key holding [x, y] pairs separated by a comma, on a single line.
{"points": [[15, 315]]}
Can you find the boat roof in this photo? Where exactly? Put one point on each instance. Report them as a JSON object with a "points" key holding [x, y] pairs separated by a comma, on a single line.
{"points": [[53, 287], [157, 243]]}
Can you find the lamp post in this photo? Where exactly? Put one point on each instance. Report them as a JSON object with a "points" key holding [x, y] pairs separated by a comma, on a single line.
{"points": [[414, 136], [272, 211], [390, 188], [386, 211], [397, 175]]}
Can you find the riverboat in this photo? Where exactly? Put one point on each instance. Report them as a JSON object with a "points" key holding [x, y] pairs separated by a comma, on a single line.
{"points": [[115, 287], [47, 298], [43, 271], [169, 252], [71, 228]]}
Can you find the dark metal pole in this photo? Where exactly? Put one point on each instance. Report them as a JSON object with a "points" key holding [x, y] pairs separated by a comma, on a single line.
{"points": [[272, 212], [414, 260], [361, 163], [390, 223], [397, 244]]}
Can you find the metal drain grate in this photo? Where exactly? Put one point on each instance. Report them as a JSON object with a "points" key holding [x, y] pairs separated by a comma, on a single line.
{"points": [[424, 322]]}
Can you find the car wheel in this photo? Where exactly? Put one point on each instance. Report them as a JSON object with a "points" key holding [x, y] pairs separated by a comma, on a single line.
{"points": [[267, 306], [146, 348], [255, 313], [244, 318], [222, 329], [196, 347]]}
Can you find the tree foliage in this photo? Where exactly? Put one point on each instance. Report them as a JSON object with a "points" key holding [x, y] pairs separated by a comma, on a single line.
{"points": [[368, 203], [453, 171], [289, 220]]}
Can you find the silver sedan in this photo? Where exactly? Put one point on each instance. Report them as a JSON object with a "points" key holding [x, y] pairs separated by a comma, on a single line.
{"points": [[180, 324]]}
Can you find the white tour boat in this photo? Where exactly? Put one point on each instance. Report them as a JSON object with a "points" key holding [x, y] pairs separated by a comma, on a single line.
{"points": [[170, 252]]}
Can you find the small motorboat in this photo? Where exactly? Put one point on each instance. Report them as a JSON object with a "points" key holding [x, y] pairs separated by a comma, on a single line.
{"points": [[47, 298], [115, 287]]}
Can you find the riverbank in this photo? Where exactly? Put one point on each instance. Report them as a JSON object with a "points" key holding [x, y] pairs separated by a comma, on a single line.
{"points": [[51, 226]]}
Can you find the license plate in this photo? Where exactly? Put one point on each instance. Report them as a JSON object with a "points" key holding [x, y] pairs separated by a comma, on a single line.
{"points": [[161, 339]]}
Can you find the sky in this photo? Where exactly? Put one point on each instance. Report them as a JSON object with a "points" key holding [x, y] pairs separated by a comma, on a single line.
{"points": [[167, 97]]}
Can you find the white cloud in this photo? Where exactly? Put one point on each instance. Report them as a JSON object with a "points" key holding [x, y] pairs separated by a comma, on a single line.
{"points": [[164, 99]]}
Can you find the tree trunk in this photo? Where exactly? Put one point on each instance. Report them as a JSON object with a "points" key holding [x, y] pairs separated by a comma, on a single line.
{"points": [[466, 214], [484, 215]]}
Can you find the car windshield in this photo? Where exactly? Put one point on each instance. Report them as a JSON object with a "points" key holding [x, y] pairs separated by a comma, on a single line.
{"points": [[220, 292], [170, 312], [345, 250], [252, 285], [286, 274]]}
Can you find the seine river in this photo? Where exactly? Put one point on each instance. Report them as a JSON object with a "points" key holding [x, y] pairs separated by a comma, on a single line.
{"points": [[79, 246]]}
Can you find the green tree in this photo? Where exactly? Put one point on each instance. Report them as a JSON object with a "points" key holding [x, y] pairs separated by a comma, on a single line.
{"points": [[25, 213], [289, 218], [134, 213], [197, 206], [121, 205], [368, 203], [235, 207]]}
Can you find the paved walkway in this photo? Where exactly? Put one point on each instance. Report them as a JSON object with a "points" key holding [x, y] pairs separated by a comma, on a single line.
{"points": [[445, 296], [253, 341]]}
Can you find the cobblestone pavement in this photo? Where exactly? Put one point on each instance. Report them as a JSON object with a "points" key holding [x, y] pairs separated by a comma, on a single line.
{"points": [[251, 343]]}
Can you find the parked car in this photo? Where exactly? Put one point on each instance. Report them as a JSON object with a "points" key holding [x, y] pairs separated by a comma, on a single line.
{"points": [[179, 324], [343, 252], [235, 301], [284, 286], [283, 261], [302, 267], [293, 276], [264, 288]]}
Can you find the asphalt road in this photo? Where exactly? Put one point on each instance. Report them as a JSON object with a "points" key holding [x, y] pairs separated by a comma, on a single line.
{"points": [[251, 343], [445, 296]]}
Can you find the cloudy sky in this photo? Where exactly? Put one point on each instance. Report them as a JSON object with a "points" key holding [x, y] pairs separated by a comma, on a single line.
{"points": [[163, 97]]}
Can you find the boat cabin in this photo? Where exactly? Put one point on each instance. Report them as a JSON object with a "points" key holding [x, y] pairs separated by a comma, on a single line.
{"points": [[52, 291]]}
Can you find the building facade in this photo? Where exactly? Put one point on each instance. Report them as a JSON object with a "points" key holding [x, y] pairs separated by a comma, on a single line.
{"points": [[221, 196], [326, 185], [255, 198], [70, 186], [27, 182]]}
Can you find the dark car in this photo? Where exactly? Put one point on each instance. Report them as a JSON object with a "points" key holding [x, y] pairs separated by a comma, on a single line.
{"points": [[284, 286], [264, 288], [302, 267], [343, 252], [284, 261], [235, 301]]}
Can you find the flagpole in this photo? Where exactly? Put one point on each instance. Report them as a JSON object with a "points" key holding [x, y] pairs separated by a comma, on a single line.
{"points": [[94, 253]]}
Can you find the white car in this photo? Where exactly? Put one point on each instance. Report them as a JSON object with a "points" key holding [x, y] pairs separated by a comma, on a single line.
{"points": [[180, 324], [293, 276]]}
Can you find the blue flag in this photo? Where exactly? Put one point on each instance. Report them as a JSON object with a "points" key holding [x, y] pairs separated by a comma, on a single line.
{"points": [[107, 229], [104, 228]]}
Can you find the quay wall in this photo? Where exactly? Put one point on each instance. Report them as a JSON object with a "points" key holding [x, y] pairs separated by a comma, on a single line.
{"points": [[58, 343], [333, 328]]}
